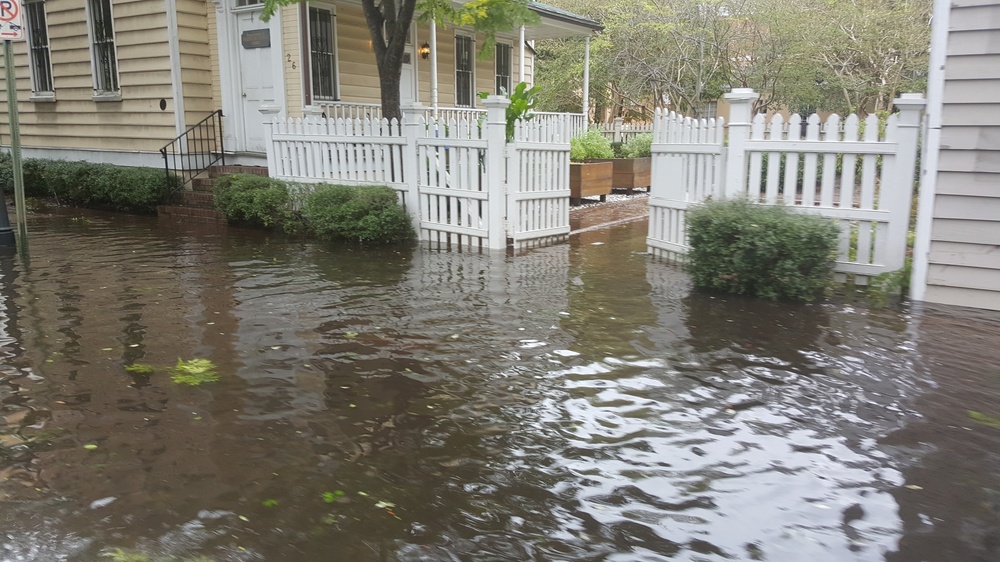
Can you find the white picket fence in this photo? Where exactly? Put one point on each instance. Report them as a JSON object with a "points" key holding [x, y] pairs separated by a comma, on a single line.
{"points": [[620, 130], [462, 183], [847, 170]]}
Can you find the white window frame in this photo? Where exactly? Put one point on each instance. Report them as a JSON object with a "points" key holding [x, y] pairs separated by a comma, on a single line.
{"points": [[471, 71], [39, 93], [307, 47], [510, 68], [100, 92]]}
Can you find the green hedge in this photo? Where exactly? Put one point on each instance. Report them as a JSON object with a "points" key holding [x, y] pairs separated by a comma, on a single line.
{"points": [[102, 186], [366, 214], [764, 251], [252, 200]]}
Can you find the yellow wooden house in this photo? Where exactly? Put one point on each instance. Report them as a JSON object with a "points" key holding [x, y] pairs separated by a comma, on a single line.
{"points": [[116, 80]]}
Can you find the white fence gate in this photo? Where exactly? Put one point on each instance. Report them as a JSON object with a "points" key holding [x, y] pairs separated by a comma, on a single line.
{"points": [[847, 170], [459, 179]]}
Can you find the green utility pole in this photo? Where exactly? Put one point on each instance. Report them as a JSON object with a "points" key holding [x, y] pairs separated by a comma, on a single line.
{"points": [[15, 151]]}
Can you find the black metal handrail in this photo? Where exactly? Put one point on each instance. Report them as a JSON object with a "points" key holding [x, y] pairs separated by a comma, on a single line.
{"points": [[196, 150]]}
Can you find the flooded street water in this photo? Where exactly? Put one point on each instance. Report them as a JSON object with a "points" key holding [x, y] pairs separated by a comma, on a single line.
{"points": [[574, 403]]}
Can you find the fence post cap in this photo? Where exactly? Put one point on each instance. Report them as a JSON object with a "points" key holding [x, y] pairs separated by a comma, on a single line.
{"points": [[910, 100], [312, 110], [496, 101], [741, 94]]}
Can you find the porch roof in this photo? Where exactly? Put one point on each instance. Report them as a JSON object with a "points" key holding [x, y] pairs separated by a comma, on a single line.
{"points": [[557, 23]]}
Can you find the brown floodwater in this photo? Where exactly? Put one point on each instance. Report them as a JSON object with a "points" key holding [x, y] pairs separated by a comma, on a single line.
{"points": [[577, 402]]}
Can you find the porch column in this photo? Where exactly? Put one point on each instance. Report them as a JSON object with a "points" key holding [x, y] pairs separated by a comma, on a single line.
{"points": [[434, 67], [586, 81], [520, 57]]}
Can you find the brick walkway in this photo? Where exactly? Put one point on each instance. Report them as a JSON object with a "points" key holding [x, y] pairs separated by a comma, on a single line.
{"points": [[583, 219]]}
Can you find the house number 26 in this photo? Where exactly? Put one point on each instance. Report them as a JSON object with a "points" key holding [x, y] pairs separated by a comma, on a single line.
{"points": [[288, 57]]}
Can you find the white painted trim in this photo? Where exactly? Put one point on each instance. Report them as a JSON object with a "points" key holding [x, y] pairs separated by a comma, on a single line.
{"points": [[305, 45], [473, 71], [520, 56], [176, 77], [510, 77], [229, 65], [586, 80], [232, 121], [931, 149], [434, 67], [102, 96], [36, 94]]}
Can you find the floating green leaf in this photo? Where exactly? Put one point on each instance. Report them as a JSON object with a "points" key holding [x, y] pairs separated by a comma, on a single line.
{"points": [[330, 497], [90, 447], [269, 503], [140, 369], [985, 419], [194, 372]]}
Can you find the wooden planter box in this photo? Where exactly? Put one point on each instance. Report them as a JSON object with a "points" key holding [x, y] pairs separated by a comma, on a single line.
{"points": [[589, 179], [630, 173]]}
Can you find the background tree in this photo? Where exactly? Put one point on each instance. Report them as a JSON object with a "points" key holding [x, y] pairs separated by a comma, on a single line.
{"points": [[389, 22], [855, 55]]}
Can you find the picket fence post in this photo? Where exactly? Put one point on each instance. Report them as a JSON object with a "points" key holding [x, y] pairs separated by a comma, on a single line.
{"points": [[272, 163], [618, 129], [496, 172], [897, 197], [412, 127], [740, 106]]}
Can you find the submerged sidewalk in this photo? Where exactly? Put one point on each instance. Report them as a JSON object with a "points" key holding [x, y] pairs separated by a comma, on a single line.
{"points": [[611, 213]]}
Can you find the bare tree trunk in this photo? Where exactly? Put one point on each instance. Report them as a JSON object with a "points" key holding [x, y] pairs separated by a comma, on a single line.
{"points": [[395, 19]]}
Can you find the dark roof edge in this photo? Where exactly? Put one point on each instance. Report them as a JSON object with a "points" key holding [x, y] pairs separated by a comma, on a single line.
{"points": [[562, 15]]}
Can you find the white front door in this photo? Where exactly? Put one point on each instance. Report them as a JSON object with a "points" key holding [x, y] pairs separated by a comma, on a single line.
{"points": [[257, 75]]}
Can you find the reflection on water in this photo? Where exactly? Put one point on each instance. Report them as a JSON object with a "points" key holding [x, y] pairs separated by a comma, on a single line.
{"points": [[573, 403]]}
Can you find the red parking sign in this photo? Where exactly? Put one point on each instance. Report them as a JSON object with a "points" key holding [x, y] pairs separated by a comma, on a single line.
{"points": [[10, 20]]}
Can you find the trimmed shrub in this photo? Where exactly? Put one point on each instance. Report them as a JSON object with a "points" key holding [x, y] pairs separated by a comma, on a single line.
{"points": [[639, 146], [103, 186], [252, 200], [590, 145], [366, 214], [764, 251]]}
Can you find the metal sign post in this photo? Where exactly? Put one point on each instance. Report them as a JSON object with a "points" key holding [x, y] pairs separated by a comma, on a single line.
{"points": [[12, 30]]}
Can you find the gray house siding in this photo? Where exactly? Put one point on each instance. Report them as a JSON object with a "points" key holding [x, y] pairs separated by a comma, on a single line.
{"points": [[964, 252]]}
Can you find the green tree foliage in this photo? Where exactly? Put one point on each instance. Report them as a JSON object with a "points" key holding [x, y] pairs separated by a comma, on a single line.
{"points": [[847, 56]]}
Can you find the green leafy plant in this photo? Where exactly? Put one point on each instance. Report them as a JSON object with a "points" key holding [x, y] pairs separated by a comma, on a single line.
{"points": [[84, 184], [590, 145], [522, 101], [140, 369], [194, 372], [764, 251], [122, 555], [365, 214], [252, 200], [330, 497], [985, 419], [639, 146]]}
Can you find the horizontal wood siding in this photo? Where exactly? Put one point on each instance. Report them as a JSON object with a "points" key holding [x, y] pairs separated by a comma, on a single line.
{"points": [[291, 56], [196, 64], [358, 74], [964, 257], [75, 120]]}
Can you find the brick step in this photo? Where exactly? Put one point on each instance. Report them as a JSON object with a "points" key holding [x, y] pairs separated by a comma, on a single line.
{"points": [[190, 214], [202, 185], [197, 199], [216, 171]]}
